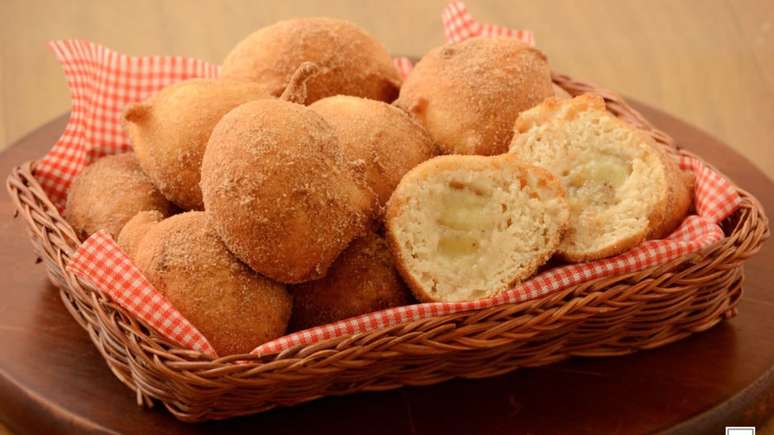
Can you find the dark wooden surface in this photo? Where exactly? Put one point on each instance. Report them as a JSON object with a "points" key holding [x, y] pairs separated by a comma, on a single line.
{"points": [[52, 380]]}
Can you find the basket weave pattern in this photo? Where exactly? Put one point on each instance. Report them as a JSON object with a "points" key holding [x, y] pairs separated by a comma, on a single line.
{"points": [[604, 317]]}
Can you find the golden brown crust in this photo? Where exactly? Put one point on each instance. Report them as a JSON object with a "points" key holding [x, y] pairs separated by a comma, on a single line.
{"points": [[381, 138], [679, 200], [361, 280], [279, 192], [401, 265], [351, 61], [394, 207], [468, 94], [234, 307], [107, 193], [170, 130], [608, 251], [550, 106], [135, 230]]}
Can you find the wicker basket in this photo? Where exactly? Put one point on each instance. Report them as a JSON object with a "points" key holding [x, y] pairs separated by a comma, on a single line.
{"points": [[605, 317]]}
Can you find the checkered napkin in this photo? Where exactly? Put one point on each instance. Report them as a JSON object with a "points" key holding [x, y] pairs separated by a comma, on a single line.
{"points": [[104, 265], [104, 82], [458, 26]]}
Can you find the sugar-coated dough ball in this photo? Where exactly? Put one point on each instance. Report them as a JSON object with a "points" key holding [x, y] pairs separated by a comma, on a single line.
{"points": [[107, 193], [385, 139], [362, 280], [352, 61], [279, 192], [135, 230], [469, 94], [234, 307], [170, 130]]}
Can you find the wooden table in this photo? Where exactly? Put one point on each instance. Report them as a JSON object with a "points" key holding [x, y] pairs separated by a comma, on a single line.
{"points": [[53, 380]]}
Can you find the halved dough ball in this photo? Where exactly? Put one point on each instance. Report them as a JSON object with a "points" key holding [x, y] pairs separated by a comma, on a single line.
{"points": [[279, 192], [352, 62], [107, 193], [469, 227], [382, 137], [169, 131], [234, 307], [468, 94], [135, 230], [621, 186], [362, 280]]}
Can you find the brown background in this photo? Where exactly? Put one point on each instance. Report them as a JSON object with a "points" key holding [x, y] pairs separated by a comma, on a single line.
{"points": [[708, 62]]}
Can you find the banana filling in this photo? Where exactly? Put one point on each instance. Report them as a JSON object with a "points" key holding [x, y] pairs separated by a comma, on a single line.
{"points": [[597, 181], [463, 220]]}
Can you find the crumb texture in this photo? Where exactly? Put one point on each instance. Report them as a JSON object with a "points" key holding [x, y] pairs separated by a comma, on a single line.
{"points": [[469, 227], [617, 179]]}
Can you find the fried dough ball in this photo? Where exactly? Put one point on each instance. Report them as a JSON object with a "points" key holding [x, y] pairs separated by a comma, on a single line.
{"points": [[361, 280], [384, 138], [469, 94], [234, 307], [279, 192], [107, 193], [352, 61], [170, 130], [135, 230]]}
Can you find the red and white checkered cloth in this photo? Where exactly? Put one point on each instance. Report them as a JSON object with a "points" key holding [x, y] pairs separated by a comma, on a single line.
{"points": [[458, 26], [103, 264], [104, 82]]}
